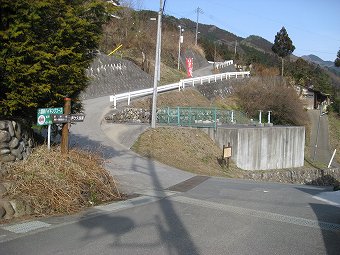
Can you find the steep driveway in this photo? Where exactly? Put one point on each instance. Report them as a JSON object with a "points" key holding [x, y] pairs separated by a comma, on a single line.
{"points": [[320, 138], [112, 142]]}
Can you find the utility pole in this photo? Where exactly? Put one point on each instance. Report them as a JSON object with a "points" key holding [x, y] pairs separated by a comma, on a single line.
{"points": [[235, 49], [198, 11], [180, 40], [157, 66]]}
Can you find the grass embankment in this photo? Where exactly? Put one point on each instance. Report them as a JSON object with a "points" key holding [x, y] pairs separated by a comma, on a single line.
{"points": [[188, 149], [186, 98], [51, 183], [334, 134], [192, 150]]}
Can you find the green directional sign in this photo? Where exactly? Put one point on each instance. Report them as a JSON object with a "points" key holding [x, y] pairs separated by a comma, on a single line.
{"points": [[44, 115]]}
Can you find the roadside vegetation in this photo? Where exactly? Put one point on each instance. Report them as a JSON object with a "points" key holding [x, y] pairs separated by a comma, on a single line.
{"points": [[39, 69], [51, 183], [189, 149], [334, 133]]}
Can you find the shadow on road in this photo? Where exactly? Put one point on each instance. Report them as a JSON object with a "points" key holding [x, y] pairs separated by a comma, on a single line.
{"points": [[172, 234], [329, 221], [84, 143], [331, 237]]}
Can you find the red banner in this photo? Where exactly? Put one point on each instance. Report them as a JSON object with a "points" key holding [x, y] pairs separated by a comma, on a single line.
{"points": [[189, 64]]}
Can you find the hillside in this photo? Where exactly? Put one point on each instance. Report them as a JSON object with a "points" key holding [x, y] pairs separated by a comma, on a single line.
{"points": [[317, 60], [211, 31], [327, 64], [137, 33], [258, 43]]}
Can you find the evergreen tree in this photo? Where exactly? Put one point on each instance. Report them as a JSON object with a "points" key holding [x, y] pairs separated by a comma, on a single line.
{"points": [[46, 46], [283, 45], [337, 60]]}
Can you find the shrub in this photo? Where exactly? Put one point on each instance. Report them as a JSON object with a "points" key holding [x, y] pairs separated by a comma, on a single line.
{"points": [[272, 94]]}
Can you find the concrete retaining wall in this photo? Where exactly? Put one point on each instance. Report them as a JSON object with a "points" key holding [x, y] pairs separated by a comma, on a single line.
{"points": [[263, 148], [109, 75]]}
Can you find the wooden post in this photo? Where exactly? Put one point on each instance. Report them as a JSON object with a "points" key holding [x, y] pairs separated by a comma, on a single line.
{"points": [[64, 134]]}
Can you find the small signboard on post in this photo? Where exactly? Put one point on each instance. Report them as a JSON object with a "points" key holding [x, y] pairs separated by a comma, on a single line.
{"points": [[67, 118], [44, 115], [227, 153], [44, 118], [60, 118], [77, 118]]}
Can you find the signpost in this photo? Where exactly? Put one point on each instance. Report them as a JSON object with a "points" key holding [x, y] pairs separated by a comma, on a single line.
{"points": [[67, 118], [44, 118], [227, 153], [48, 116], [44, 115]]}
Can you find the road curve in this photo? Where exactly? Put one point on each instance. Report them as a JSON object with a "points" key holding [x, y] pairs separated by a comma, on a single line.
{"points": [[134, 173]]}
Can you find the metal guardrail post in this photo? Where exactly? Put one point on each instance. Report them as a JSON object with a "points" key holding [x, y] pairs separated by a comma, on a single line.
{"points": [[178, 117], [215, 119], [168, 119]]}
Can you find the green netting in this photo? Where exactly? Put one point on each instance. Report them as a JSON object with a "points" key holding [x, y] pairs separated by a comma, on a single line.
{"points": [[199, 117]]}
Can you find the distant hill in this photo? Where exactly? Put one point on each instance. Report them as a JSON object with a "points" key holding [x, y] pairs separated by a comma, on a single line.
{"points": [[327, 64], [317, 60], [258, 43], [212, 32]]}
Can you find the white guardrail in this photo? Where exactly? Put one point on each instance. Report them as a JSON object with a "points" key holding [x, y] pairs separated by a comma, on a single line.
{"points": [[178, 85], [219, 65]]}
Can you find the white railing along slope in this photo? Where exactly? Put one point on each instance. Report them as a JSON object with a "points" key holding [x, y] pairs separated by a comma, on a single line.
{"points": [[178, 85]]}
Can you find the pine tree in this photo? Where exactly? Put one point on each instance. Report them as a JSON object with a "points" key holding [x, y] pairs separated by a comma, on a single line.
{"points": [[283, 45], [46, 46], [337, 60]]}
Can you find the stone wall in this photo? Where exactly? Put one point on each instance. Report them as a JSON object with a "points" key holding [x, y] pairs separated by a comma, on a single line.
{"points": [[15, 143], [129, 115], [319, 177]]}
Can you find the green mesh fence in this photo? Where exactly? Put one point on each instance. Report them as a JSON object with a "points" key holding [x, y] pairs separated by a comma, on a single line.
{"points": [[199, 117]]}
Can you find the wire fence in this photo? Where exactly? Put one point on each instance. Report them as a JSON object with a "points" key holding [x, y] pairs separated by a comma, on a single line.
{"points": [[199, 117]]}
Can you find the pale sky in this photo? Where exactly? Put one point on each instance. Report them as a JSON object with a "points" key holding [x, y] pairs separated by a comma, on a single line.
{"points": [[312, 25]]}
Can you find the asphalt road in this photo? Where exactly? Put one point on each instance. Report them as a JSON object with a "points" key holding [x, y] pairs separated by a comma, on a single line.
{"points": [[320, 148], [218, 216], [176, 212]]}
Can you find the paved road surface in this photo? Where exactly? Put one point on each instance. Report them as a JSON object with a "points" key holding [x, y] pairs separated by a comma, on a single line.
{"points": [[113, 142], [176, 212], [322, 152], [219, 216]]}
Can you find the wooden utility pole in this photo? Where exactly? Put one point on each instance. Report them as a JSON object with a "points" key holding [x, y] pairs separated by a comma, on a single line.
{"points": [[64, 133], [235, 49]]}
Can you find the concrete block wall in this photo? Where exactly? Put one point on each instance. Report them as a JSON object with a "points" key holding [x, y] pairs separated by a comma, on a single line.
{"points": [[109, 75], [263, 148], [199, 61]]}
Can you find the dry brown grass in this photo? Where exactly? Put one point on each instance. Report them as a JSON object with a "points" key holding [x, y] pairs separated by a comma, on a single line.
{"points": [[52, 183], [334, 133], [188, 149], [188, 97]]}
